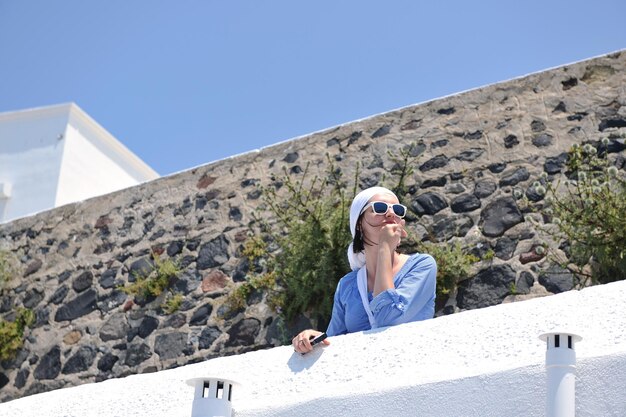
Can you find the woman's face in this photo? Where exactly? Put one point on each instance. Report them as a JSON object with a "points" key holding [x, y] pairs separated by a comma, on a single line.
{"points": [[371, 222]]}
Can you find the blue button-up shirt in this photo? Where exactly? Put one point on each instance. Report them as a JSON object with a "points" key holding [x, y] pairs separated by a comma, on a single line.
{"points": [[412, 299]]}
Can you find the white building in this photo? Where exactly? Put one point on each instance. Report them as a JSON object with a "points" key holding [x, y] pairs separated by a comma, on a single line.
{"points": [[56, 155]]}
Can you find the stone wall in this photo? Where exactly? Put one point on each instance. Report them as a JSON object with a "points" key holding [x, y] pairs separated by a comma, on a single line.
{"points": [[480, 150]]}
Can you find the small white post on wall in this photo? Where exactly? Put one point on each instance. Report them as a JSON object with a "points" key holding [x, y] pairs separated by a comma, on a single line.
{"points": [[5, 190], [212, 397], [561, 373]]}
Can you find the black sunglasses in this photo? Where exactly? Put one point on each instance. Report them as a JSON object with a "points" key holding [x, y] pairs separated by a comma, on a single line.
{"points": [[381, 207]]}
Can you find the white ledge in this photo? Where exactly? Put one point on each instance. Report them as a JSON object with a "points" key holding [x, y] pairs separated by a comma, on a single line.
{"points": [[487, 362]]}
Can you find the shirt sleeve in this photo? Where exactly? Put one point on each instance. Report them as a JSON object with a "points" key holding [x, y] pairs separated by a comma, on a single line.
{"points": [[337, 323], [414, 291]]}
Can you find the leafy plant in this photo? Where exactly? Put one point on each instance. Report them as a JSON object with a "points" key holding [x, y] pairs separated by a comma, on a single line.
{"points": [[403, 167], [453, 265], [254, 249], [12, 333], [313, 259], [489, 255], [587, 214], [160, 279], [312, 234], [172, 303], [7, 268], [266, 282]]}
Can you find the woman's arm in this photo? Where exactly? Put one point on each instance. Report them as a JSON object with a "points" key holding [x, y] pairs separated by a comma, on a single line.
{"points": [[337, 323], [390, 237], [301, 342], [407, 302]]}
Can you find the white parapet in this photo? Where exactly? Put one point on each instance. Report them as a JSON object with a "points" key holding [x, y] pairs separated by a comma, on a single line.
{"points": [[480, 363]]}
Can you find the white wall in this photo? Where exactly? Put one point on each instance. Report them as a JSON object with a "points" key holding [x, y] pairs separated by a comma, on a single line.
{"points": [[31, 150], [58, 155], [480, 363], [88, 171]]}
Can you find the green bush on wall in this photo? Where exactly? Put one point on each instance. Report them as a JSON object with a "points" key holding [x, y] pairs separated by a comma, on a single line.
{"points": [[587, 214], [12, 333], [156, 282], [255, 251], [7, 268], [312, 233], [453, 264], [313, 258]]}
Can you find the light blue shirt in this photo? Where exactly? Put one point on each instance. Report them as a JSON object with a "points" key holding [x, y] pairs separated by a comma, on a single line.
{"points": [[412, 299]]}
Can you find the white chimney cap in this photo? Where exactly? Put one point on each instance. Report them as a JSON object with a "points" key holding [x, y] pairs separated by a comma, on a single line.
{"points": [[192, 382], [575, 337]]}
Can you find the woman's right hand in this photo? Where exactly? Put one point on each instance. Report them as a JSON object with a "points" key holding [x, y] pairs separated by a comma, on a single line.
{"points": [[302, 342], [392, 234]]}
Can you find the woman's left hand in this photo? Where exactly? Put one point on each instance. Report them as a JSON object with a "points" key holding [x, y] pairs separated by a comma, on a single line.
{"points": [[301, 343]]}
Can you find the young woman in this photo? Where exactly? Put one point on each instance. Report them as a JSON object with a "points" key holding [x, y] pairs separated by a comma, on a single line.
{"points": [[385, 287]]}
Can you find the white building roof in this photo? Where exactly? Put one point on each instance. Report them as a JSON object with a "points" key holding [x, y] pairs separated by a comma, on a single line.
{"points": [[51, 156]]}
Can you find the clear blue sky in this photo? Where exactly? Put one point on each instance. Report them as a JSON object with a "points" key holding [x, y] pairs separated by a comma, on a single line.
{"points": [[186, 82]]}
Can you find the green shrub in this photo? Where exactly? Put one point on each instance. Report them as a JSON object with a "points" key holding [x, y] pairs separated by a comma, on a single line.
{"points": [[264, 282], [312, 233], [453, 265], [403, 167], [12, 333], [7, 268], [255, 248], [157, 281], [255, 251], [313, 259], [172, 303], [587, 213], [489, 255]]}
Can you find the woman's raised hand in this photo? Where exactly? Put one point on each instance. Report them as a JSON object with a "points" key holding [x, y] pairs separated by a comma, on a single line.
{"points": [[392, 234]]}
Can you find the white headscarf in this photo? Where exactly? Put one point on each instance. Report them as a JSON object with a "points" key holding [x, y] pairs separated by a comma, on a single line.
{"points": [[357, 260]]}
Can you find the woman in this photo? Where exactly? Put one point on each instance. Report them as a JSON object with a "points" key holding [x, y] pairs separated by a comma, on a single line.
{"points": [[385, 287]]}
